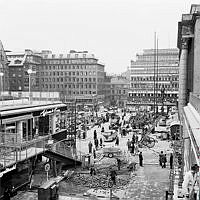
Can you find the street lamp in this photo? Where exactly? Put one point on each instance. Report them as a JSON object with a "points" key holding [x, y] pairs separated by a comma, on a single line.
{"points": [[30, 71], [1, 82]]}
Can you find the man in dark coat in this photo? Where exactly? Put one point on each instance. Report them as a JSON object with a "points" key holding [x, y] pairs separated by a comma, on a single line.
{"points": [[113, 175], [90, 147], [171, 161], [140, 159]]}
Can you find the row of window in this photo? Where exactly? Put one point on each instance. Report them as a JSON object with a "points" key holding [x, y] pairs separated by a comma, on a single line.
{"points": [[90, 73], [55, 67], [149, 95], [151, 78], [58, 86], [150, 86], [61, 79], [69, 61], [118, 92]]}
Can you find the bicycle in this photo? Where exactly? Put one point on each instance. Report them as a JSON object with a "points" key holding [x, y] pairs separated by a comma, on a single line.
{"points": [[147, 141]]}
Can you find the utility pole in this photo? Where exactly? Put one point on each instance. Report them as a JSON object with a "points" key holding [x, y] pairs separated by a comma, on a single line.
{"points": [[154, 78]]}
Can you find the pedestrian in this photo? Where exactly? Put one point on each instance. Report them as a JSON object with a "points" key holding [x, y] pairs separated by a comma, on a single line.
{"points": [[90, 147], [164, 161], [136, 138], [101, 142], [95, 134], [96, 143], [141, 159], [129, 145], [113, 175], [160, 158], [102, 129], [123, 132], [132, 146], [136, 148], [118, 163], [190, 186], [171, 161], [117, 141], [94, 153]]}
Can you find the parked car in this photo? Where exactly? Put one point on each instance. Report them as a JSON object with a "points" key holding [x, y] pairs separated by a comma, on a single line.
{"points": [[112, 152], [110, 135]]}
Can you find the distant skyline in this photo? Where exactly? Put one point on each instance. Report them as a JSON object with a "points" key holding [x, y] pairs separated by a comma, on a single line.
{"points": [[113, 30]]}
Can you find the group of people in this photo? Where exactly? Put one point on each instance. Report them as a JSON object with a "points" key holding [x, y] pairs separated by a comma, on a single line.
{"points": [[133, 144], [163, 160]]}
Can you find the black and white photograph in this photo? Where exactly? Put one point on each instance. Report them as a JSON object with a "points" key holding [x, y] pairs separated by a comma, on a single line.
{"points": [[99, 99]]}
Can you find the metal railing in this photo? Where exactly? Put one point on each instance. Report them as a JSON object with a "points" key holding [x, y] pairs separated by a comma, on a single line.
{"points": [[11, 153], [62, 148]]}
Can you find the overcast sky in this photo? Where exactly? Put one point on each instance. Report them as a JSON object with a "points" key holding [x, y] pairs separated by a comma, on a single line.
{"points": [[114, 30]]}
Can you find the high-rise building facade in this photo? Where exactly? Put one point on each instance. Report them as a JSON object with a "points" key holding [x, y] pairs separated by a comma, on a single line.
{"points": [[76, 75], [153, 73]]}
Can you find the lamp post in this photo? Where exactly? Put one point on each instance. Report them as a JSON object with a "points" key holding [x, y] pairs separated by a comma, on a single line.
{"points": [[29, 71], [1, 82], [162, 98]]}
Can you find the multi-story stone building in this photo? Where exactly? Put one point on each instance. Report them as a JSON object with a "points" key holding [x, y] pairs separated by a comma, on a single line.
{"points": [[189, 94], [107, 90], [4, 80], [76, 75], [119, 91], [151, 72], [19, 64]]}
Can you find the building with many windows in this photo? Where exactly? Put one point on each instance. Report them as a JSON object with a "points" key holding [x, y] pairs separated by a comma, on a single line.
{"points": [[119, 91], [4, 81], [19, 64], [152, 73], [76, 75]]}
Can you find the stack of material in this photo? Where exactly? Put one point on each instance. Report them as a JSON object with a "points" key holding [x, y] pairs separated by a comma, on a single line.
{"points": [[98, 181]]}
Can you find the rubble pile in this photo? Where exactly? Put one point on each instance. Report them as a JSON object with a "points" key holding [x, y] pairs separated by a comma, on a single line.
{"points": [[99, 181]]}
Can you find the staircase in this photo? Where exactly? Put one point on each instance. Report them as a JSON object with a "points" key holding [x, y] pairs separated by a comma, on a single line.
{"points": [[59, 151]]}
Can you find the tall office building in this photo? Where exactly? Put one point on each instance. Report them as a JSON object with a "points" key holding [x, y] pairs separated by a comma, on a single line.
{"points": [[153, 73]]}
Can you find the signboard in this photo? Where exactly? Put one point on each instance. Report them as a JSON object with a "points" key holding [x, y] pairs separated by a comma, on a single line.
{"points": [[47, 167]]}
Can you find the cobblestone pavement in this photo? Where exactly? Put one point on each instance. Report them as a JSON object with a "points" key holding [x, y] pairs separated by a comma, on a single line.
{"points": [[151, 182]]}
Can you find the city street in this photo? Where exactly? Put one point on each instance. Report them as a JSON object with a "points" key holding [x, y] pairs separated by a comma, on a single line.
{"points": [[147, 182]]}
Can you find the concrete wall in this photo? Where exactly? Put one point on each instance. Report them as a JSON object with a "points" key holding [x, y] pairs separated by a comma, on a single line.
{"points": [[197, 57]]}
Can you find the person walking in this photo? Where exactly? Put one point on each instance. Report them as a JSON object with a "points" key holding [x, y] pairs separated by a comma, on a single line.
{"points": [[161, 158], [117, 141], [113, 175], [96, 143], [171, 161], [94, 153], [164, 161], [132, 146], [141, 159], [95, 134], [90, 147], [102, 129], [129, 145], [118, 163], [101, 142]]}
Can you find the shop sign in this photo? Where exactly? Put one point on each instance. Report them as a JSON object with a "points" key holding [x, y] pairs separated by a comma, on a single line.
{"points": [[45, 112]]}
